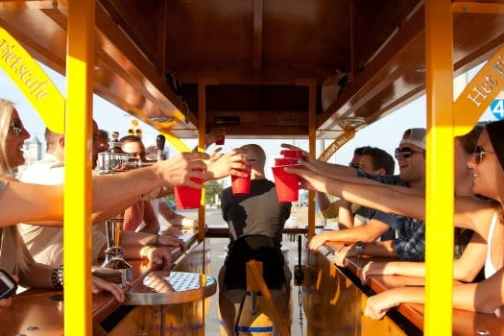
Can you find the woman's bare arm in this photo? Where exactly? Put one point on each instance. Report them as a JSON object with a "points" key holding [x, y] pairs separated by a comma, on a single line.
{"points": [[483, 297], [469, 213], [466, 268], [44, 204]]}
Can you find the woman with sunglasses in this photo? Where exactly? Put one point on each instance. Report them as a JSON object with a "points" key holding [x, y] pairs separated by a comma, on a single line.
{"points": [[483, 217], [30, 203], [487, 165]]}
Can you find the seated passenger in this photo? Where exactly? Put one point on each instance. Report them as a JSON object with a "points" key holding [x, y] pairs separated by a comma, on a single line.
{"points": [[487, 165], [45, 243], [409, 241], [372, 161], [470, 263], [256, 222], [14, 256], [146, 215], [44, 204], [340, 209]]}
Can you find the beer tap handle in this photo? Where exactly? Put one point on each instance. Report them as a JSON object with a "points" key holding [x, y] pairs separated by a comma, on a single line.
{"points": [[160, 144]]}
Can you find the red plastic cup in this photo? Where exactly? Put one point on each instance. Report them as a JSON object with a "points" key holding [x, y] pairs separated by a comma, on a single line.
{"points": [[292, 154], [285, 162], [188, 197], [286, 185], [241, 185]]}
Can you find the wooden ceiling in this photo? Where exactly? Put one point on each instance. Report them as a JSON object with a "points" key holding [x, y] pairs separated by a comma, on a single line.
{"points": [[255, 59]]}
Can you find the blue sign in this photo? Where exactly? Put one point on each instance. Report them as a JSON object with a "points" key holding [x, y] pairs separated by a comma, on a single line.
{"points": [[497, 108]]}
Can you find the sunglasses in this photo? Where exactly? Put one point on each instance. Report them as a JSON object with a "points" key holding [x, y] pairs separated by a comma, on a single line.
{"points": [[15, 128], [404, 153], [479, 154]]}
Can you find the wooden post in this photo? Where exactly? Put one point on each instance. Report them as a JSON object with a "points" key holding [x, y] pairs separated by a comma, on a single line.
{"points": [[440, 165], [312, 137], [78, 197]]}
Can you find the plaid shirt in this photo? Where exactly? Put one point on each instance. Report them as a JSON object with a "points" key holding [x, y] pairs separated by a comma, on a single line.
{"points": [[414, 247], [410, 235], [409, 243]]}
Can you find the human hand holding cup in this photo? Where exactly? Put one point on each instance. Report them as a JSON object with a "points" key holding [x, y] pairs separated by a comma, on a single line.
{"points": [[232, 163], [240, 185], [186, 169]]}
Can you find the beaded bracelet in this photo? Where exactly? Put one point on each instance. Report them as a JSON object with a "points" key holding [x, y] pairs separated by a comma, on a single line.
{"points": [[57, 278]]}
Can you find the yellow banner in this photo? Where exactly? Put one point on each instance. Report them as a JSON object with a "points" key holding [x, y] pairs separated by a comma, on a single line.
{"points": [[33, 82], [176, 142], [479, 93]]}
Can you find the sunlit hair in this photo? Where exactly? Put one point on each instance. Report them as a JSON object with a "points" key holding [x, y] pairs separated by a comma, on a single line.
{"points": [[6, 111]]}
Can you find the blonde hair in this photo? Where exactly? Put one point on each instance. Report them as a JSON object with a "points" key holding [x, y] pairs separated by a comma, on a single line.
{"points": [[6, 111]]}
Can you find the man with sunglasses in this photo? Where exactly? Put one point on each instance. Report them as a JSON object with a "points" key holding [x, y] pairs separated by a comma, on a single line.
{"points": [[409, 242], [45, 243]]}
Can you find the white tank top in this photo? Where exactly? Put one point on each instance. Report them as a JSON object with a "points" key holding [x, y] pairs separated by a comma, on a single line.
{"points": [[489, 266]]}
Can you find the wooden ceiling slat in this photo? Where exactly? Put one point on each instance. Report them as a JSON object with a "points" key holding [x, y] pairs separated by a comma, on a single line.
{"points": [[258, 35], [397, 76], [379, 74], [234, 44]]}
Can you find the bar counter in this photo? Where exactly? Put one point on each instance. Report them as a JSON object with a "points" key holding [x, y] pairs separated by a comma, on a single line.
{"points": [[408, 317], [40, 312]]}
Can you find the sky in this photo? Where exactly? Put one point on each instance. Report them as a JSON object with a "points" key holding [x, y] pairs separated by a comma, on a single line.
{"points": [[385, 133]]}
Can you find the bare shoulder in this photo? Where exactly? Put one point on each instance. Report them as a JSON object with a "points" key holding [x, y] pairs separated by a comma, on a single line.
{"points": [[479, 211]]}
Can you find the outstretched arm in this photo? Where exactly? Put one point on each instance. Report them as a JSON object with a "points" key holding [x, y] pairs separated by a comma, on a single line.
{"points": [[365, 233], [395, 199], [484, 297], [44, 204], [466, 268]]}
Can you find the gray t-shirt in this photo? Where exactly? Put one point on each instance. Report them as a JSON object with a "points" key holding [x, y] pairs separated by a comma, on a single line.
{"points": [[258, 213]]}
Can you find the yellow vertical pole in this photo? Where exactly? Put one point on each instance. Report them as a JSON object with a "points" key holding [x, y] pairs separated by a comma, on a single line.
{"points": [[312, 137], [202, 113], [202, 147], [440, 166], [77, 204]]}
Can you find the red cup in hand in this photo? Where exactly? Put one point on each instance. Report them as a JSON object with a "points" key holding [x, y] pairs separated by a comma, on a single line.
{"points": [[241, 185], [292, 154], [285, 162], [188, 197], [286, 185]]}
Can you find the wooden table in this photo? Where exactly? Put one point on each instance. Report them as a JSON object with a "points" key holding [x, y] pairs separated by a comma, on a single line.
{"points": [[464, 322], [40, 312]]}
